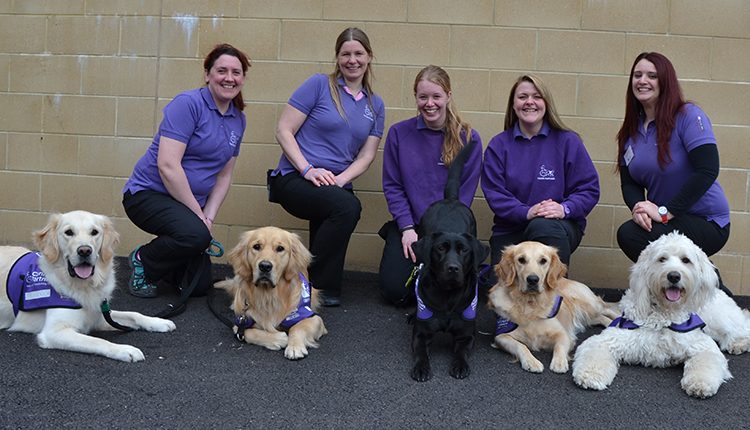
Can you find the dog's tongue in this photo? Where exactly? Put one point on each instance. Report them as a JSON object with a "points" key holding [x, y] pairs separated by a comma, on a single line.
{"points": [[673, 294], [84, 271]]}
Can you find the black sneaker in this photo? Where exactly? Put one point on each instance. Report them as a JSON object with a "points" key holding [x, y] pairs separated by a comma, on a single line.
{"points": [[139, 286], [328, 300]]}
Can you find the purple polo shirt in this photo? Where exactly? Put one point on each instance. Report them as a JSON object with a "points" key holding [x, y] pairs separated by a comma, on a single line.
{"points": [[692, 129], [211, 140], [325, 138], [518, 173], [414, 176]]}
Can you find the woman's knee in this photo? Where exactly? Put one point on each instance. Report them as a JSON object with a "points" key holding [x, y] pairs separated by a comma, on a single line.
{"points": [[194, 239]]}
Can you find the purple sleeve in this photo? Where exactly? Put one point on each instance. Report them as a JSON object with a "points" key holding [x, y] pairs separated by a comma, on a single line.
{"points": [[694, 127], [180, 119], [379, 124], [305, 97], [393, 188], [581, 180], [501, 201], [471, 173], [244, 126]]}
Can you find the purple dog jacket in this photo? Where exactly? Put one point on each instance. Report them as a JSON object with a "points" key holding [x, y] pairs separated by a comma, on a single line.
{"points": [[28, 289]]}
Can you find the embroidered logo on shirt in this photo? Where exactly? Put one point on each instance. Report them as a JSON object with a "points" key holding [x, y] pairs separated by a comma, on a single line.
{"points": [[233, 139], [545, 174], [368, 113]]}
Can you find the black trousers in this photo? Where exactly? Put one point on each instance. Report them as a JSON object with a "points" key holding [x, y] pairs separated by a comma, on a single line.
{"points": [[178, 251], [632, 239], [394, 268], [563, 234], [333, 213]]}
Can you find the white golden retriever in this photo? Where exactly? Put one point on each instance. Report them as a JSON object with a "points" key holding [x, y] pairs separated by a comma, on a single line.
{"points": [[76, 258], [672, 286]]}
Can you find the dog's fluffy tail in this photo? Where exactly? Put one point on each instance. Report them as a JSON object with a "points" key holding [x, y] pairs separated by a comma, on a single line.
{"points": [[456, 170]]}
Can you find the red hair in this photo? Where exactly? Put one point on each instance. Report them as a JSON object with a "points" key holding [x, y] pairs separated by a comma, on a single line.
{"points": [[669, 104]]}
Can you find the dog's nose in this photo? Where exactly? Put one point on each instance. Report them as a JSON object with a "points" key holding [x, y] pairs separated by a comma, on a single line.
{"points": [[265, 266], [454, 268], [532, 280], [674, 277], [84, 251]]}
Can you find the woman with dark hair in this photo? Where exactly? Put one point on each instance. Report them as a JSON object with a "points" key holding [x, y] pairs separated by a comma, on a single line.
{"points": [[329, 133], [179, 184], [537, 176], [418, 152], [668, 162]]}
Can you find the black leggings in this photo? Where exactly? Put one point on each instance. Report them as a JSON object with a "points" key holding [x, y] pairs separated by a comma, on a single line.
{"points": [[178, 251], [333, 213]]}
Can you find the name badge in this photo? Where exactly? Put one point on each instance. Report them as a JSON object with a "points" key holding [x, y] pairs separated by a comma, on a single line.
{"points": [[628, 155]]}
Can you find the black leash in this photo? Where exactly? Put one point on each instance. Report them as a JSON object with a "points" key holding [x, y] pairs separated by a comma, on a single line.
{"points": [[215, 249]]}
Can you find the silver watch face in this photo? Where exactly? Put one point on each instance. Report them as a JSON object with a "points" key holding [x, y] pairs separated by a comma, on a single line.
{"points": [[662, 210]]}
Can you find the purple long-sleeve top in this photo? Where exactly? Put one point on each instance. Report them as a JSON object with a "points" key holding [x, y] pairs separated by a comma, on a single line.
{"points": [[414, 175], [518, 173]]}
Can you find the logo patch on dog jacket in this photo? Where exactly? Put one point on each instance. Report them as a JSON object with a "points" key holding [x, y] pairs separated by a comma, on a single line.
{"points": [[28, 289], [504, 325]]}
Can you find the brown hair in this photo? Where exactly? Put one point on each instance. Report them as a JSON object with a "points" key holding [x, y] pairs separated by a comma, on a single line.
{"points": [[454, 126], [550, 114], [227, 49]]}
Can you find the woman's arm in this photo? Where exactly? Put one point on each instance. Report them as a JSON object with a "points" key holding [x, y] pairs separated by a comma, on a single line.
{"points": [[169, 162], [361, 163], [289, 123], [705, 162], [220, 191]]}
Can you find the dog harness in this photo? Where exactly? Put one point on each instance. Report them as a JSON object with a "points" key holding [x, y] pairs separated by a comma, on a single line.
{"points": [[693, 322], [505, 326], [425, 313], [28, 289], [303, 311]]}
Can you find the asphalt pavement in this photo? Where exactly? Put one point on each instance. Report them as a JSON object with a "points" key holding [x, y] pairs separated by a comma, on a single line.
{"points": [[200, 377]]}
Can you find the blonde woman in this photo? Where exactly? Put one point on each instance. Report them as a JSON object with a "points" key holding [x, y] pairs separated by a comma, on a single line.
{"points": [[329, 133], [418, 152]]}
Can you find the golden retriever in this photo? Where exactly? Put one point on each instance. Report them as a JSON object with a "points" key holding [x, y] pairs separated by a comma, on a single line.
{"points": [[539, 309], [76, 258], [271, 292]]}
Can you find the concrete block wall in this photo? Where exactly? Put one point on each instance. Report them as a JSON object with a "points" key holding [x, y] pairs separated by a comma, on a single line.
{"points": [[83, 82]]}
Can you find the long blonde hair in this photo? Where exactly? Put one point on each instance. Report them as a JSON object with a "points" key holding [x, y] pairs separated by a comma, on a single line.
{"points": [[454, 126], [553, 119], [357, 35]]}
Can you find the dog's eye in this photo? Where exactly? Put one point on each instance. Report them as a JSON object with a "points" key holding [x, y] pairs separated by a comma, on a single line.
{"points": [[68, 232], [279, 248], [443, 246], [522, 260], [256, 246], [542, 261], [94, 232], [686, 260], [662, 259]]}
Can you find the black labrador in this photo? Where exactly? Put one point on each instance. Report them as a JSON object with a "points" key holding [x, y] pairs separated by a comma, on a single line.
{"points": [[446, 288]]}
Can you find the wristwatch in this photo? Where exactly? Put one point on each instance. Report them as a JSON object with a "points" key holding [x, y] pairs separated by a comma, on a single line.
{"points": [[663, 213]]}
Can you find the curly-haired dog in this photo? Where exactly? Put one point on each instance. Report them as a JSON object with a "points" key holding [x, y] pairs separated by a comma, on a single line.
{"points": [[57, 293], [659, 326], [539, 309], [272, 295]]}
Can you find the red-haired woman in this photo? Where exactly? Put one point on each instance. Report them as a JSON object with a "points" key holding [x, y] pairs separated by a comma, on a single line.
{"points": [[668, 162]]}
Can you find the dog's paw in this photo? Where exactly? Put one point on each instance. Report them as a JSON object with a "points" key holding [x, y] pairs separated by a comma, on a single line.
{"points": [[701, 388], [127, 353], [590, 379], [739, 346], [160, 325], [460, 369], [559, 365], [277, 341], [532, 365], [421, 372], [295, 352]]}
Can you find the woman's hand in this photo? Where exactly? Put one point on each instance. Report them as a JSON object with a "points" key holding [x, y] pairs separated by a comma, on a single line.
{"points": [[320, 177], [549, 209], [644, 213], [408, 237]]}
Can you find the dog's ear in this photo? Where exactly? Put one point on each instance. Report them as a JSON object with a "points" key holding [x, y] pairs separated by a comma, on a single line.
{"points": [[238, 256], [46, 239], [479, 251], [636, 302], [299, 257], [110, 239], [506, 268], [557, 269], [423, 249]]}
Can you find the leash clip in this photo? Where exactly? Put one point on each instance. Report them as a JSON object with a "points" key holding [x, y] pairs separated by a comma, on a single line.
{"points": [[215, 248]]}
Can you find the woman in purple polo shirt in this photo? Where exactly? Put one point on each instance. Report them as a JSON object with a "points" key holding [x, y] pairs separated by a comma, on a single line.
{"points": [[668, 162], [418, 152], [537, 176], [177, 187], [329, 133]]}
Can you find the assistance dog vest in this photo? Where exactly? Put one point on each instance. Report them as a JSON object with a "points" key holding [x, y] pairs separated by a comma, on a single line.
{"points": [[28, 289], [504, 325], [693, 322], [303, 310], [425, 313]]}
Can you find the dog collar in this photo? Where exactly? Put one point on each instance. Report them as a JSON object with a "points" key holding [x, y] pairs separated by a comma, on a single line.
{"points": [[303, 311], [504, 325], [425, 313], [28, 289], [693, 322]]}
